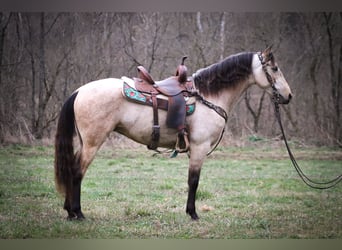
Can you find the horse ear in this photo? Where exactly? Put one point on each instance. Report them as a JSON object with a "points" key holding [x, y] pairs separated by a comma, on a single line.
{"points": [[267, 51]]}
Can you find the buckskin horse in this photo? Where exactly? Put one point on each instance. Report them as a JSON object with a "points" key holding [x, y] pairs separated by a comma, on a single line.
{"points": [[97, 108]]}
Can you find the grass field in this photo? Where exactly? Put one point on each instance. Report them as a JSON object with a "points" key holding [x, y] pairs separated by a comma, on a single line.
{"points": [[250, 192]]}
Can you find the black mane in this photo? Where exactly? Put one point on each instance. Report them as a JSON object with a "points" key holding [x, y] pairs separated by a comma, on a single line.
{"points": [[224, 74]]}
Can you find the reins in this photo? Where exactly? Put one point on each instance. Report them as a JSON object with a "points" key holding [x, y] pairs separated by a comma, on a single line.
{"points": [[309, 182], [220, 111]]}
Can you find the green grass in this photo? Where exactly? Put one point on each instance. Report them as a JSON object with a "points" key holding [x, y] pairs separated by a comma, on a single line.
{"points": [[251, 192]]}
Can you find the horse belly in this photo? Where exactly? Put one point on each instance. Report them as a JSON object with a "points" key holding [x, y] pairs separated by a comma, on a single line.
{"points": [[136, 123]]}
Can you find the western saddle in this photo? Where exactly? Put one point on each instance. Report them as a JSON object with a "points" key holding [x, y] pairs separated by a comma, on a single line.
{"points": [[175, 88]]}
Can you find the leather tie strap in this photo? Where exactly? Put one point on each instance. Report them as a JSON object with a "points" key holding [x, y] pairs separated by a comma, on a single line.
{"points": [[156, 128]]}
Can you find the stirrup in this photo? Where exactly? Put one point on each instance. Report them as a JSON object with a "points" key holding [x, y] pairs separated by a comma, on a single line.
{"points": [[185, 147]]}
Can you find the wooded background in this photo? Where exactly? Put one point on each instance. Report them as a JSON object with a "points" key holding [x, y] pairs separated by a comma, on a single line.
{"points": [[45, 56]]}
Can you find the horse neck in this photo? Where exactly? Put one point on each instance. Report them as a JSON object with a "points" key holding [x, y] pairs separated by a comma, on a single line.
{"points": [[228, 98]]}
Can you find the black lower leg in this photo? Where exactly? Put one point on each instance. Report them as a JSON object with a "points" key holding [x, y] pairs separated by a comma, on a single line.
{"points": [[76, 200], [193, 180], [73, 198], [67, 206]]}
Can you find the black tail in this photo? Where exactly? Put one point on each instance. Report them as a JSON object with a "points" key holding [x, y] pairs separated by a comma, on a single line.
{"points": [[64, 149]]}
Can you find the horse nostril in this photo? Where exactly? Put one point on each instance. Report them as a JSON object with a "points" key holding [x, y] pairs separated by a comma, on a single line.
{"points": [[290, 97]]}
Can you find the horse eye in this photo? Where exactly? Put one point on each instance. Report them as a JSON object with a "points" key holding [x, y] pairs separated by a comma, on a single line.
{"points": [[275, 68]]}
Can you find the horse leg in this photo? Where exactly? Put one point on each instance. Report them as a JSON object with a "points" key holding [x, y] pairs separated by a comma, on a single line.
{"points": [[73, 198], [196, 161], [193, 180], [72, 203]]}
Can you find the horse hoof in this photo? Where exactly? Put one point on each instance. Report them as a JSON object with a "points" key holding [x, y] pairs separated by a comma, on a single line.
{"points": [[193, 215], [80, 216], [76, 217]]}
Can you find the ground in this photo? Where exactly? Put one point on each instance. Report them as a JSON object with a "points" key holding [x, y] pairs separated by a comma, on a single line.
{"points": [[244, 192]]}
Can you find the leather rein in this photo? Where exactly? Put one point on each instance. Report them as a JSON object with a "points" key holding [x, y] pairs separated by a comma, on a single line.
{"points": [[220, 111], [311, 183]]}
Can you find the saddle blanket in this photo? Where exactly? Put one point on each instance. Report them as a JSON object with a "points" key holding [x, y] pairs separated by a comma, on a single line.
{"points": [[133, 95]]}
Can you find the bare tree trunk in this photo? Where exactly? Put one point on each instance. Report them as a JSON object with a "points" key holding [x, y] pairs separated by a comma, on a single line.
{"points": [[314, 54], [154, 39], [339, 89], [335, 81], [4, 21], [38, 128], [339, 94], [222, 34], [256, 114], [199, 23], [313, 66], [30, 51]]}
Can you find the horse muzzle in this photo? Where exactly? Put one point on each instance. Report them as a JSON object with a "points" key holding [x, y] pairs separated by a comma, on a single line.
{"points": [[284, 100]]}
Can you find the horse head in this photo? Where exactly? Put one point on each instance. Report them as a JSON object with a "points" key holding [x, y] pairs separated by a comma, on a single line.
{"points": [[268, 74]]}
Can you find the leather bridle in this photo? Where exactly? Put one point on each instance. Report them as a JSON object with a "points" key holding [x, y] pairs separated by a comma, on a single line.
{"points": [[270, 79], [275, 98]]}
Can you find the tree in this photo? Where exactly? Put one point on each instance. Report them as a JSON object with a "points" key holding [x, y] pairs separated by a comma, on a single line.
{"points": [[45, 56], [256, 113], [333, 22], [4, 21]]}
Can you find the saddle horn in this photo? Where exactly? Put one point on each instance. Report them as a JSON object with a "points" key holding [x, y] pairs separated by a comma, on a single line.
{"points": [[183, 59], [182, 71]]}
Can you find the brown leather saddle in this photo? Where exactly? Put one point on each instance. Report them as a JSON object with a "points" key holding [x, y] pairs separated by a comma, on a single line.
{"points": [[175, 88]]}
